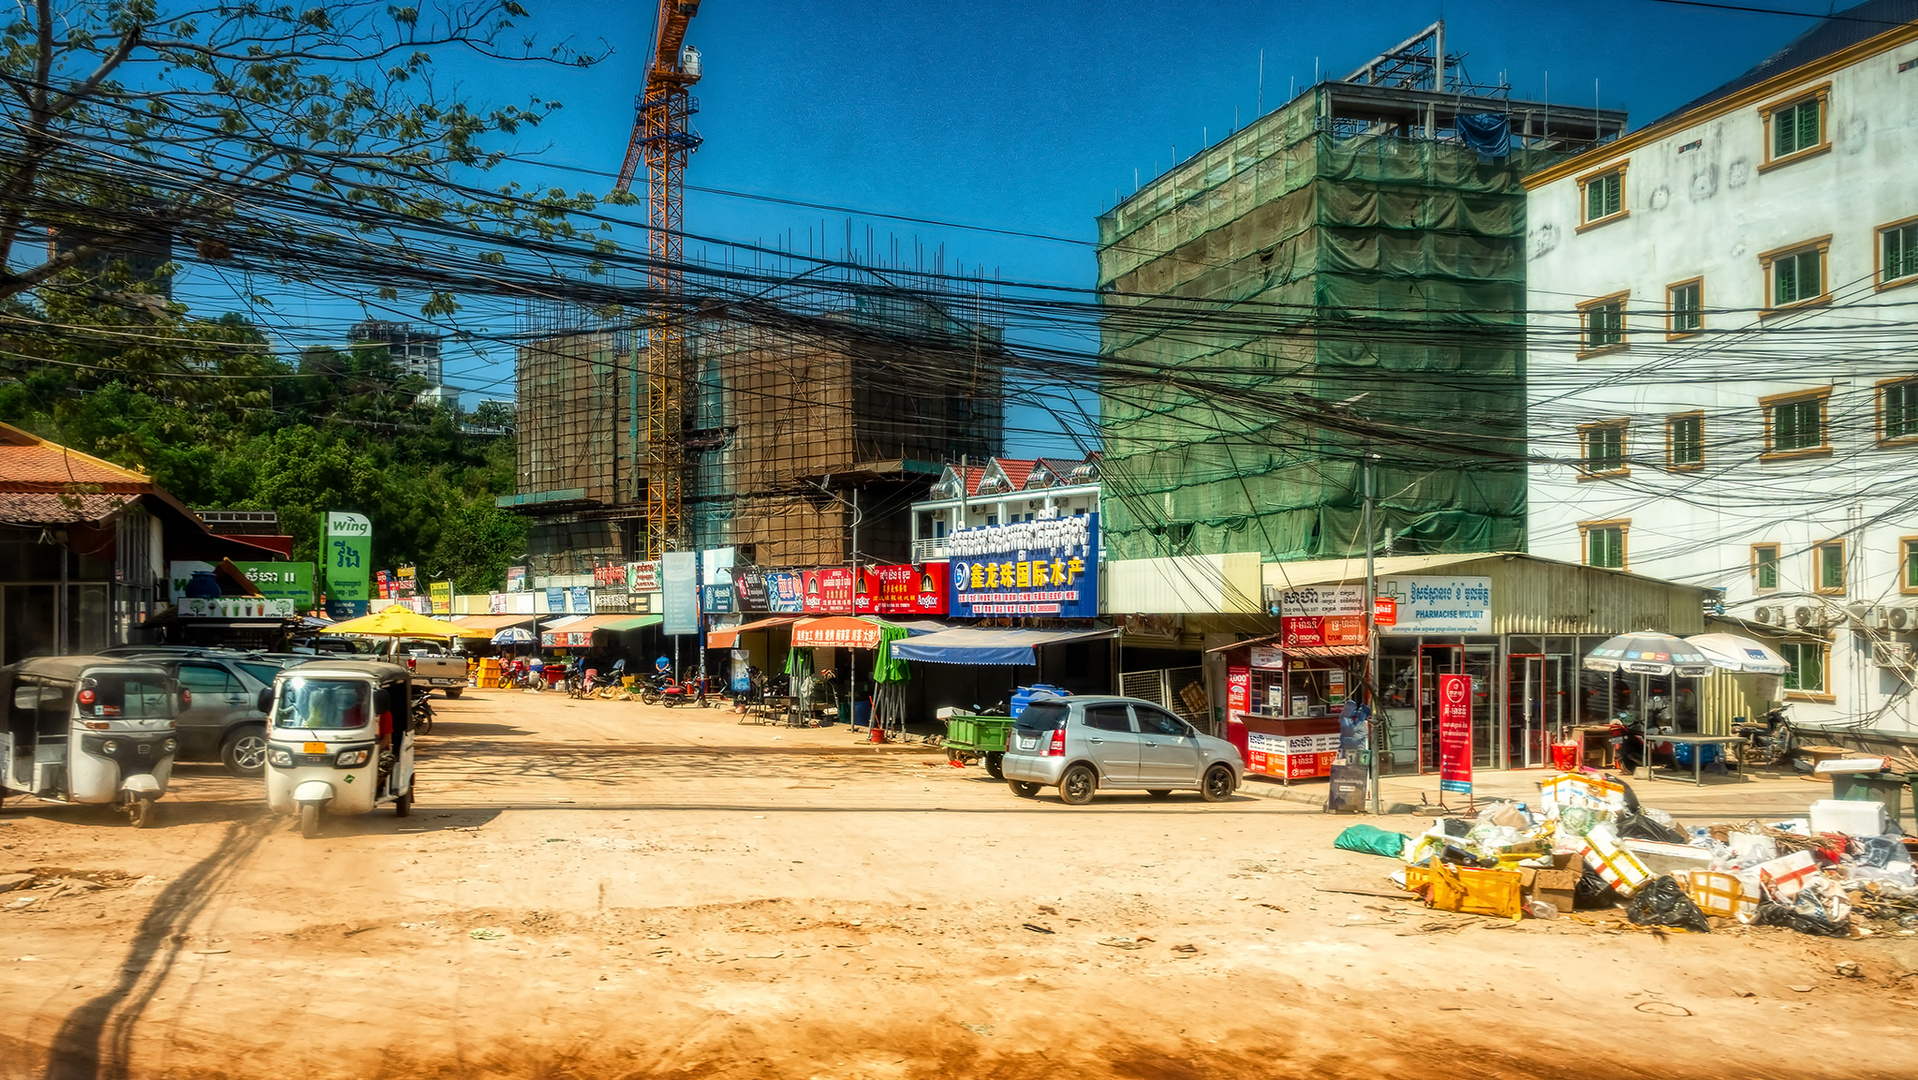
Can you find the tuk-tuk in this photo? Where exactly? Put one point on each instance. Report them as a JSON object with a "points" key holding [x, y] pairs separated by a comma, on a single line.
{"points": [[339, 740], [90, 730]]}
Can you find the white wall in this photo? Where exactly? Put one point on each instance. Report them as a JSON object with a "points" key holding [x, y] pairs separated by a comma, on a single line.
{"points": [[1710, 211]]}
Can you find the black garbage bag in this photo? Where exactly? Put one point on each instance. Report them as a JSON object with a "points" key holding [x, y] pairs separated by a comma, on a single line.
{"points": [[1769, 914], [1592, 894], [1455, 826], [1633, 825], [1661, 902]]}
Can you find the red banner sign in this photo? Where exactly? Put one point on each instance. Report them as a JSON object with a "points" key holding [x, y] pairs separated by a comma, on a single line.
{"points": [[1308, 630], [827, 591], [1455, 732], [1238, 692], [901, 590]]}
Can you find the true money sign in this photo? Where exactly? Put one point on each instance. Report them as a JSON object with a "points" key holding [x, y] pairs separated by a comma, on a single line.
{"points": [[347, 554]]}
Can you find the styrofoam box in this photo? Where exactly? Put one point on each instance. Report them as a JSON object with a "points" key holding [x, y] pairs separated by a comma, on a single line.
{"points": [[1674, 859], [1852, 817]]}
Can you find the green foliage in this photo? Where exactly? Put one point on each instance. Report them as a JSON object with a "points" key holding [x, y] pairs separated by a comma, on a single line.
{"points": [[219, 422]]}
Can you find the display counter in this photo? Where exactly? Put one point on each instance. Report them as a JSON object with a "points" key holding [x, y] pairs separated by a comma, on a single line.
{"points": [[1291, 749]]}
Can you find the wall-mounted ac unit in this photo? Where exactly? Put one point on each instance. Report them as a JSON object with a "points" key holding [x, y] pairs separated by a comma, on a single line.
{"points": [[1901, 618], [1862, 614], [1896, 656], [1805, 616], [1770, 616]]}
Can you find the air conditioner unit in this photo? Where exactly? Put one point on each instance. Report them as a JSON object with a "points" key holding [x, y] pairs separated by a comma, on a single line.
{"points": [[1805, 616], [1901, 618], [1771, 616], [1895, 655], [1880, 619], [1861, 614]]}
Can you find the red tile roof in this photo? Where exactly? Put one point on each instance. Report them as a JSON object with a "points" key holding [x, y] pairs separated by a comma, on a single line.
{"points": [[42, 508], [1016, 469], [30, 463], [974, 475]]}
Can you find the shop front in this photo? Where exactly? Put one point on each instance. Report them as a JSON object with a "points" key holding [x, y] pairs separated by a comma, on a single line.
{"points": [[1516, 626]]}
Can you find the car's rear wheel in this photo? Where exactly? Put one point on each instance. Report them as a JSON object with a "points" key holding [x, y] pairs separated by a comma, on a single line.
{"points": [[1160, 793], [1218, 784], [244, 752], [1023, 788], [995, 766], [1077, 785]]}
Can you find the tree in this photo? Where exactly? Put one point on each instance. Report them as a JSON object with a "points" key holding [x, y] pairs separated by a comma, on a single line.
{"points": [[304, 140]]}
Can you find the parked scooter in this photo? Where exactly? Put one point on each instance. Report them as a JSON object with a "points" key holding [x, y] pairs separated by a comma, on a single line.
{"points": [[663, 690], [422, 710]]}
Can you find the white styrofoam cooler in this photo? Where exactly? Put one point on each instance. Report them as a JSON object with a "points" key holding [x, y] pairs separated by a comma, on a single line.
{"points": [[1852, 817]]}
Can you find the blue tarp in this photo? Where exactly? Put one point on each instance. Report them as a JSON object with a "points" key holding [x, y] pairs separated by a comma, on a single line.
{"points": [[1487, 134], [1012, 648]]}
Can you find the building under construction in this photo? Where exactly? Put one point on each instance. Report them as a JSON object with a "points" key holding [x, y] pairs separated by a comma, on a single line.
{"points": [[807, 418], [1344, 276]]}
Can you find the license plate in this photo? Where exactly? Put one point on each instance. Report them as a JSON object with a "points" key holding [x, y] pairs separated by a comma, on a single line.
{"points": [[1028, 743], [313, 748]]}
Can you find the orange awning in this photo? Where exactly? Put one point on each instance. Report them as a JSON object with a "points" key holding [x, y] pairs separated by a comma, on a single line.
{"points": [[729, 636], [836, 632]]}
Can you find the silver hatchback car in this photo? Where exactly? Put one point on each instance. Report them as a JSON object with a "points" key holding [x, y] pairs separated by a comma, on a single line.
{"points": [[1082, 744]]}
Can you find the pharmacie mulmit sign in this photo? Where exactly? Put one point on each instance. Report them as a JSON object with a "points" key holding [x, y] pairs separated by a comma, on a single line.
{"points": [[1046, 567], [1438, 605]]}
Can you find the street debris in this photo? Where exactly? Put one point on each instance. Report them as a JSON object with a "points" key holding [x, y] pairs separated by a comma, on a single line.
{"points": [[486, 933], [1037, 929], [1590, 845]]}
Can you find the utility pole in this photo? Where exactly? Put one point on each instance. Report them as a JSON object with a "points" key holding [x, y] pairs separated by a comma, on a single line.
{"points": [[1371, 642]]}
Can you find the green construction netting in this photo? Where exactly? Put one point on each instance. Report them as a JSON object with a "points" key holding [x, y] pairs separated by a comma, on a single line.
{"points": [[1300, 262]]}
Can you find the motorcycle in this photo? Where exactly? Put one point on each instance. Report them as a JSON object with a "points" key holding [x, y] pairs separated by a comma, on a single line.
{"points": [[422, 711], [582, 684], [663, 690]]}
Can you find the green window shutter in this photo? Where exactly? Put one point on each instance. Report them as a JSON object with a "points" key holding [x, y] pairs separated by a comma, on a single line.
{"points": [[1808, 125]]}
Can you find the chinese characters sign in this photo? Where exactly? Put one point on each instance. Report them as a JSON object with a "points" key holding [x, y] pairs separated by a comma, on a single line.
{"points": [[828, 590], [901, 590], [1048, 567]]}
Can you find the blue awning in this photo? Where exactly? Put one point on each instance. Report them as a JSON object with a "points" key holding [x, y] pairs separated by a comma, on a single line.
{"points": [[1012, 648]]}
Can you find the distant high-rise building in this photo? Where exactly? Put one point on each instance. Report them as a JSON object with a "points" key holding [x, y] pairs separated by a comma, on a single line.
{"points": [[414, 351]]}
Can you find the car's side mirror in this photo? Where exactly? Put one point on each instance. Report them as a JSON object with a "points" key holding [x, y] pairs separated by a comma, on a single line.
{"points": [[265, 701]]}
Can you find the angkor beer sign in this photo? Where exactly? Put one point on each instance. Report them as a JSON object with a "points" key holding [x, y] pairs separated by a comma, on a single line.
{"points": [[1314, 615], [901, 590]]}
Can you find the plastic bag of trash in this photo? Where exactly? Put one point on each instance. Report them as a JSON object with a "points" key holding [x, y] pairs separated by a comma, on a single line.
{"points": [[1770, 914], [1491, 839], [1593, 894], [1823, 898], [1882, 851], [1662, 902], [1578, 820], [1752, 848], [1639, 825], [1372, 841]]}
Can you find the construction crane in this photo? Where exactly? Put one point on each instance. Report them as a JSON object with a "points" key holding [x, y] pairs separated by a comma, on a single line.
{"points": [[662, 139]]}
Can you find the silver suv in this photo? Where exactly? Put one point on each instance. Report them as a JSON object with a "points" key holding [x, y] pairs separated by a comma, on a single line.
{"points": [[1083, 744]]}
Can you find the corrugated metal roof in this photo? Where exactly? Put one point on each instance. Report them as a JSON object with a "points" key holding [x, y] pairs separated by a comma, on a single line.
{"points": [[1335, 571]]}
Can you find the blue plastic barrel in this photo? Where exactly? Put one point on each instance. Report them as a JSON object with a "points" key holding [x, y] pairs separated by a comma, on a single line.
{"points": [[1023, 696]]}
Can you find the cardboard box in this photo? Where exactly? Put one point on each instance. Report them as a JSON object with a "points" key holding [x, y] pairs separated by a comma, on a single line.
{"points": [[1558, 888], [1785, 876], [1593, 792]]}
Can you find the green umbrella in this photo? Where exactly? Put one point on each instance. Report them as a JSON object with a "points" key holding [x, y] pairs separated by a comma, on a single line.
{"points": [[885, 667], [798, 662]]}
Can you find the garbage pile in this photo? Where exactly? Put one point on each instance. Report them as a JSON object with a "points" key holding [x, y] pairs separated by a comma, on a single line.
{"points": [[1590, 845]]}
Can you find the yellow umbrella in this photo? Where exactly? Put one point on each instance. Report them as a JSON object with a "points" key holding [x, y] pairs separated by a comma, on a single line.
{"points": [[395, 621]]}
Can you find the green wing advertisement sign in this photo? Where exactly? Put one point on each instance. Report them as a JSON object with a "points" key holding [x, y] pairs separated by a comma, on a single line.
{"points": [[347, 548]]}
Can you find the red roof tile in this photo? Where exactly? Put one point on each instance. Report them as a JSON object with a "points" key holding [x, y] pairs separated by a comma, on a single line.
{"points": [[1016, 470], [30, 463]]}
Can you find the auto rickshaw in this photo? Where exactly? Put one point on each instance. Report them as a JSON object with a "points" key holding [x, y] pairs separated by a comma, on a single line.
{"points": [[90, 730], [339, 740]]}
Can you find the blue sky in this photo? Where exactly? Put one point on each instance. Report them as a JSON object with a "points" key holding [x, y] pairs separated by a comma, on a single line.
{"points": [[1030, 116]]}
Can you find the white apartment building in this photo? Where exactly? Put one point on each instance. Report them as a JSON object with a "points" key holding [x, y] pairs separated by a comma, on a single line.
{"points": [[1000, 491], [1723, 370]]}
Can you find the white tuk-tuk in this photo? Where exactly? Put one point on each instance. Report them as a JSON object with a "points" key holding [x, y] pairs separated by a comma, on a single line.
{"points": [[89, 730], [339, 740]]}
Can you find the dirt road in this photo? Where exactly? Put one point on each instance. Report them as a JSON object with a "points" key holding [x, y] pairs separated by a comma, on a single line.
{"points": [[599, 889]]}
